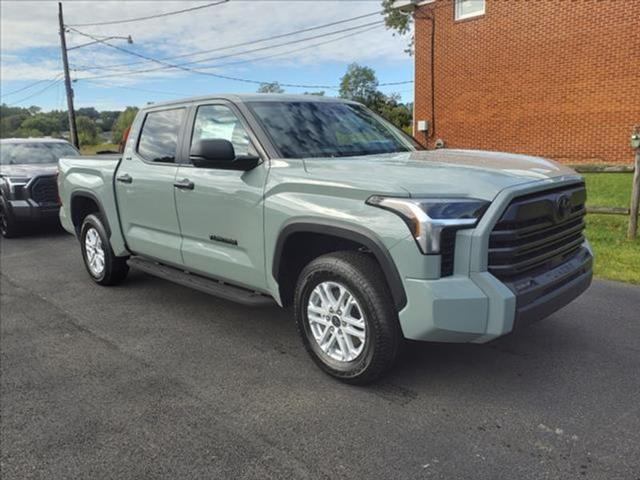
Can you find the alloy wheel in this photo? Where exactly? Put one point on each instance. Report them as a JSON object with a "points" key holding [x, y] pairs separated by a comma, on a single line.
{"points": [[94, 252], [337, 322]]}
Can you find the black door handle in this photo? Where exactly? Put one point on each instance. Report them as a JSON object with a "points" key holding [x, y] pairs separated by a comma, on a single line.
{"points": [[185, 184], [126, 178]]}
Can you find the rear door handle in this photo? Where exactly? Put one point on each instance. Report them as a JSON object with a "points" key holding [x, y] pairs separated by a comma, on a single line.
{"points": [[185, 184], [126, 178]]}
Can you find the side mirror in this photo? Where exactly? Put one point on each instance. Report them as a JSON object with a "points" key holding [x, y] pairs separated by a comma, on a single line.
{"points": [[220, 154]]}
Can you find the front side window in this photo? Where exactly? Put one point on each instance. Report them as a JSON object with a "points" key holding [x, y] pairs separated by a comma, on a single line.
{"points": [[328, 129], [21, 153], [159, 137], [220, 122], [469, 8]]}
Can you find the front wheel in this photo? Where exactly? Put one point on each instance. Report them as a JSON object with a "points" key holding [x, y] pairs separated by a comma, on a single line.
{"points": [[346, 317], [101, 263], [9, 228]]}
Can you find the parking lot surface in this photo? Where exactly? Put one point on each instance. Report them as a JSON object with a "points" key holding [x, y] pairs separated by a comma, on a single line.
{"points": [[152, 380]]}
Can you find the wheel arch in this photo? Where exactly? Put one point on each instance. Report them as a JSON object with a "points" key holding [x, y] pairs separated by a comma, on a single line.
{"points": [[84, 203], [354, 235]]}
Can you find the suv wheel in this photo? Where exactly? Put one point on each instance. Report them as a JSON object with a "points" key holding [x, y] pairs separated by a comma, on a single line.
{"points": [[101, 263], [346, 316], [8, 225]]}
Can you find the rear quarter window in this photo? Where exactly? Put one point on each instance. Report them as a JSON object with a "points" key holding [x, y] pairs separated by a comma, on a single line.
{"points": [[159, 136]]}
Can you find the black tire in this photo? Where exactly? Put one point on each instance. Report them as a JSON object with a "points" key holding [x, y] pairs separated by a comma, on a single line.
{"points": [[115, 268], [9, 227], [364, 280]]}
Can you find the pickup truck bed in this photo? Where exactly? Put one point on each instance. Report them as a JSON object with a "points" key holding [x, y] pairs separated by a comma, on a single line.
{"points": [[91, 176]]}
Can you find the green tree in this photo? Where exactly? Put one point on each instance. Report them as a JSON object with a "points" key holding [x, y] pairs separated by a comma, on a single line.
{"points": [[46, 123], [87, 131], [124, 121], [107, 119], [90, 112], [360, 84], [26, 133], [10, 119], [399, 22], [273, 87], [398, 113]]}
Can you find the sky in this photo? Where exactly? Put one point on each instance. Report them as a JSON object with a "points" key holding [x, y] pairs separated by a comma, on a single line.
{"points": [[30, 49]]}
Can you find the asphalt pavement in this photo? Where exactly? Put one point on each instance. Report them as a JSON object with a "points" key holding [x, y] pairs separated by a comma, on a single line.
{"points": [[152, 380]]}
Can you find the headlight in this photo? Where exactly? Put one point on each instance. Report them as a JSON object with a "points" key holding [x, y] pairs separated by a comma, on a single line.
{"points": [[17, 184], [427, 218]]}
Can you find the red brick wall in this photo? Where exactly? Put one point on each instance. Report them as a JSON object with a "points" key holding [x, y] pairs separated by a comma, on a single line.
{"points": [[555, 78]]}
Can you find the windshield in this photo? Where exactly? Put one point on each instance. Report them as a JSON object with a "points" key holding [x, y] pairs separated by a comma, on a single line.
{"points": [[328, 129], [34, 152]]}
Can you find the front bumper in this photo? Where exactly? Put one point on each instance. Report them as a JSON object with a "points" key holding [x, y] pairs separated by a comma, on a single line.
{"points": [[481, 308], [475, 306], [552, 290], [30, 211]]}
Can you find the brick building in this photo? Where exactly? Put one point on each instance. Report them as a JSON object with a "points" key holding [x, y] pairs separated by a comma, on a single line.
{"points": [[554, 78]]}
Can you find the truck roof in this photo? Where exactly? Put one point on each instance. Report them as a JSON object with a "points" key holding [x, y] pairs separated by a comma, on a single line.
{"points": [[33, 140], [250, 97]]}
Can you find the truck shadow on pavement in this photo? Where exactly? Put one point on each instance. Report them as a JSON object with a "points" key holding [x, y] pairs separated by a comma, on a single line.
{"points": [[39, 232], [539, 358], [524, 362]]}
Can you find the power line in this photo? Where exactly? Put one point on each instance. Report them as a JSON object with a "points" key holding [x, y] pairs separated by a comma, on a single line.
{"points": [[289, 52], [122, 87], [55, 82], [166, 64], [31, 85], [391, 84], [198, 72], [250, 42], [239, 62], [139, 19]]}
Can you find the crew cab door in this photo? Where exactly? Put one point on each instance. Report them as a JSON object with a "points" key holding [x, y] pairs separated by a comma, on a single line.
{"points": [[221, 211], [145, 186]]}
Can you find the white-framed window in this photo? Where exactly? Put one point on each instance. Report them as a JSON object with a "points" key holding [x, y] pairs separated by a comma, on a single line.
{"points": [[469, 8]]}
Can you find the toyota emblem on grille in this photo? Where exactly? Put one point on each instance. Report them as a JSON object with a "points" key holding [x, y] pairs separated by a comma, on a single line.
{"points": [[563, 207]]}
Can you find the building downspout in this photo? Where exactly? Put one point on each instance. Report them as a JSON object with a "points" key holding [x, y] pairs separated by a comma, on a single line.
{"points": [[430, 134], [433, 74]]}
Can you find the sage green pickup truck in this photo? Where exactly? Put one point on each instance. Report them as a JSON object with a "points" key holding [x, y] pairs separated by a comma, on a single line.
{"points": [[319, 204]]}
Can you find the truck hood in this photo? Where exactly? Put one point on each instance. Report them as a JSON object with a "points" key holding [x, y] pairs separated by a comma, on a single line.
{"points": [[464, 173], [28, 170]]}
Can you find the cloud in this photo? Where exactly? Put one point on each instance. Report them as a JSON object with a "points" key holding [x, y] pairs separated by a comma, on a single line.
{"points": [[30, 42]]}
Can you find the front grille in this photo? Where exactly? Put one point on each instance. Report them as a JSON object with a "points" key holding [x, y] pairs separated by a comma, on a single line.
{"points": [[44, 190], [537, 232]]}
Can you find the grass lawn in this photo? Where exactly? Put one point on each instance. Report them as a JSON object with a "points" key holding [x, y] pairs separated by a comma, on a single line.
{"points": [[609, 189], [617, 258], [102, 147]]}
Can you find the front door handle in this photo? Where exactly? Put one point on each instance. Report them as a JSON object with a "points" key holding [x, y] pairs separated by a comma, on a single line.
{"points": [[185, 184], [126, 178]]}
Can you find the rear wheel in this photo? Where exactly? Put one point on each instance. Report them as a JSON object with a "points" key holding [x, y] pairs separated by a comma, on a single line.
{"points": [[346, 317], [9, 228], [101, 263]]}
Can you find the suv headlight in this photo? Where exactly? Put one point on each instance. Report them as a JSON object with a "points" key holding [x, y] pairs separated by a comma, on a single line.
{"points": [[428, 218], [16, 185]]}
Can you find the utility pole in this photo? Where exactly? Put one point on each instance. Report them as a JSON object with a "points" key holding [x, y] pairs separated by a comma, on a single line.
{"points": [[73, 130]]}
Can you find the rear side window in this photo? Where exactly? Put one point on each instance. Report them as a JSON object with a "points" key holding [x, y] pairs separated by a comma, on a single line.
{"points": [[159, 137]]}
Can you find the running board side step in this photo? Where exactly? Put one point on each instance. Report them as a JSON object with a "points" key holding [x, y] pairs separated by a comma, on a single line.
{"points": [[202, 284]]}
